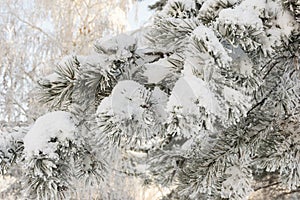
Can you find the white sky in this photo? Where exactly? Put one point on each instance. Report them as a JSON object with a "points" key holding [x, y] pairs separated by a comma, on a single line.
{"points": [[138, 14]]}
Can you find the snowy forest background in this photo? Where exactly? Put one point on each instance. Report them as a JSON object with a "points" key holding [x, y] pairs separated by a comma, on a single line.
{"points": [[202, 102]]}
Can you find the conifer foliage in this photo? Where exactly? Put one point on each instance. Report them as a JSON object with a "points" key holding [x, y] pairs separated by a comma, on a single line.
{"points": [[211, 100]]}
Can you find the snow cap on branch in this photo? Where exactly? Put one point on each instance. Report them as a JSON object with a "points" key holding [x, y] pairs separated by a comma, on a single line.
{"points": [[48, 131]]}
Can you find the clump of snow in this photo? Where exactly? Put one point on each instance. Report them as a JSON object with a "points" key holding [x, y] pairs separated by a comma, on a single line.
{"points": [[130, 99], [282, 25], [256, 6], [48, 131], [125, 100], [132, 112], [188, 144], [264, 24], [100, 61], [233, 16], [242, 30], [190, 93], [213, 44], [286, 23], [160, 100], [111, 57], [158, 70], [121, 45], [245, 66]]}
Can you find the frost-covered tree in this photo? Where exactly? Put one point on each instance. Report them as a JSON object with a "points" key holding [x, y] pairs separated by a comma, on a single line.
{"points": [[207, 107], [34, 34]]}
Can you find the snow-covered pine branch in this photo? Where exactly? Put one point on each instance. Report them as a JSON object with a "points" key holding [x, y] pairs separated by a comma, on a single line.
{"points": [[204, 107]]}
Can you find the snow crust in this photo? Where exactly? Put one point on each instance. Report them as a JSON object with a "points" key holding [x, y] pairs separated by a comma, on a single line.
{"points": [[46, 133]]}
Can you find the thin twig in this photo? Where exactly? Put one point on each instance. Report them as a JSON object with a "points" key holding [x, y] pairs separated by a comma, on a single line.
{"points": [[266, 186]]}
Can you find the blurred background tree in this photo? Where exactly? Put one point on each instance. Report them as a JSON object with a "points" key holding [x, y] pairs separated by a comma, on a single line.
{"points": [[34, 34]]}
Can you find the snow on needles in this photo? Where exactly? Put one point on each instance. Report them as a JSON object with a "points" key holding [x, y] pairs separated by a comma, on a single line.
{"points": [[212, 45], [137, 114], [191, 93], [251, 27], [120, 45], [125, 100], [46, 133], [250, 18], [130, 99], [188, 4]]}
